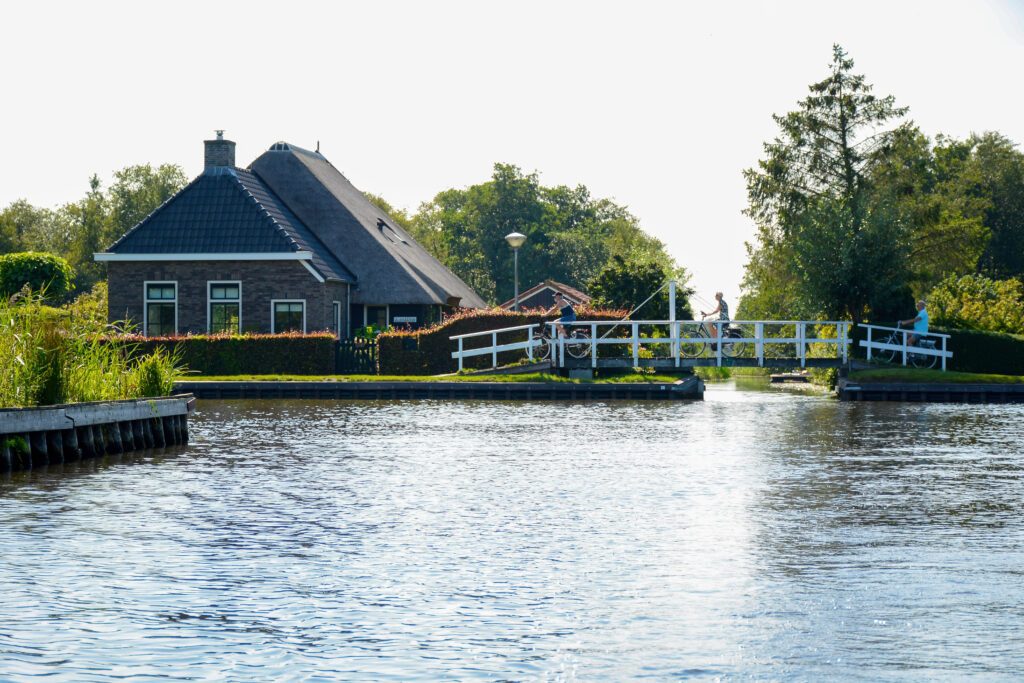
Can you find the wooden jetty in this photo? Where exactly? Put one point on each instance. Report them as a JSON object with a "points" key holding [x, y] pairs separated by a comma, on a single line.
{"points": [[32, 437], [851, 390], [690, 388]]}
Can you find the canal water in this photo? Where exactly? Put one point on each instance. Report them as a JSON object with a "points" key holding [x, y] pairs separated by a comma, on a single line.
{"points": [[757, 534]]}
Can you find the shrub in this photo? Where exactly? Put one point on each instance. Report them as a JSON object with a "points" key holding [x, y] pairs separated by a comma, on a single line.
{"points": [[291, 353], [428, 351], [38, 271], [978, 303]]}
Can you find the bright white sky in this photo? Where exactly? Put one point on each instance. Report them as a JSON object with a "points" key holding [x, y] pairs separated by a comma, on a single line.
{"points": [[659, 105]]}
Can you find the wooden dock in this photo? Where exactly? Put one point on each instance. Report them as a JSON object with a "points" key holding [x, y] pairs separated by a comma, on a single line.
{"points": [[850, 390], [31, 437], [690, 388]]}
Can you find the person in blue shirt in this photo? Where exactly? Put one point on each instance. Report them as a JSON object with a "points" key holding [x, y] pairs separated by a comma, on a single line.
{"points": [[568, 314], [920, 324]]}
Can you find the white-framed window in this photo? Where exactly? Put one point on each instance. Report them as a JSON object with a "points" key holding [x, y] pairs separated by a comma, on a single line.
{"points": [[377, 316], [159, 308], [224, 307], [288, 315], [336, 310]]}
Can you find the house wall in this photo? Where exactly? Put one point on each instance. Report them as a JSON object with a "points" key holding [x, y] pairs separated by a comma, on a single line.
{"points": [[261, 281]]}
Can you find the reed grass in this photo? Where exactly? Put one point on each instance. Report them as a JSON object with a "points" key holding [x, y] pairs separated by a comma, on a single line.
{"points": [[50, 356]]}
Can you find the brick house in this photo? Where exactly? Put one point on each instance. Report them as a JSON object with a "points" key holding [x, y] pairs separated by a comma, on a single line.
{"points": [[286, 244]]}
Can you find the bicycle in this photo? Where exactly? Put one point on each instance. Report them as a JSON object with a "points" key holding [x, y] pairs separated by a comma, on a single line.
{"points": [[918, 360], [577, 343], [730, 349]]}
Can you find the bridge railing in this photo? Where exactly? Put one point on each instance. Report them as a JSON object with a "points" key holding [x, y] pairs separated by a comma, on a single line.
{"points": [[794, 337], [882, 340]]}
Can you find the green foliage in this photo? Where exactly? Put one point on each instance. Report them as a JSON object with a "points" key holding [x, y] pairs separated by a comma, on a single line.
{"points": [[840, 250], [50, 356], [38, 272], [247, 354], [78, 229], [570, 235], [625, 285], [978, 303], [428, 351]]}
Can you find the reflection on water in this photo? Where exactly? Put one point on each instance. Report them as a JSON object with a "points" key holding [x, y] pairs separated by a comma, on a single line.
{"points": [[757, 534]]}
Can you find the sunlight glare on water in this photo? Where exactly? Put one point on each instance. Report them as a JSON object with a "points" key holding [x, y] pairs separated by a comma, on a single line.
{"points": [[755, 534]]}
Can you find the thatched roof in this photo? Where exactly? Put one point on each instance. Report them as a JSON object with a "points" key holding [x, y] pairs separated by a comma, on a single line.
{"points": [[390, 266]]}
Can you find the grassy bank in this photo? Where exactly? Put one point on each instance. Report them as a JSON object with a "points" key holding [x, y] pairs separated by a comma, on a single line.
{"points": [[914, 375], [527, 377], [59, 355]]}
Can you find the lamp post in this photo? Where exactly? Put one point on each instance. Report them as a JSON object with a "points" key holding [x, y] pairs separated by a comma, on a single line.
{"points": [[516, 240]]}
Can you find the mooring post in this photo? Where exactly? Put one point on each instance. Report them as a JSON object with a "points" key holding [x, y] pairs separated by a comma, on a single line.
{"points": [[54, 448]]}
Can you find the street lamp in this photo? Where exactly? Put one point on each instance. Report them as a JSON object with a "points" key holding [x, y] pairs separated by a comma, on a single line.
{"points": [[516, 240]]}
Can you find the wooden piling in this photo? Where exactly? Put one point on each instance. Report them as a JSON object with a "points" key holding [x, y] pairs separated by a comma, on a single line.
{"points": [[113, 437], [158, 432], [37, 446], [54, 448], [71, 449], [127, 438], [98, 442], [137, 435], [165, 424], [85, 443], [6, 460]]}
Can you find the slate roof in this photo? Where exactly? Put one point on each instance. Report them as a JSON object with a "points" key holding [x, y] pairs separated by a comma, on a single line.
{"points": [[390, 266], [228, 210]]}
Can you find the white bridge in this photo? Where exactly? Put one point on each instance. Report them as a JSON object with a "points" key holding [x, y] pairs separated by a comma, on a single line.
{"points": [[665, 343]]}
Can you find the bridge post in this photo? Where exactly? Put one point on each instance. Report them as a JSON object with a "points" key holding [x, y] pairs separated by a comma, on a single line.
{"points": [[759, 344], [529, 342], [460, 354], [593, 345], [869, 342], [494, 347], [943, 354], [846, 344], [718, 345], [675, 332], [801, 335], [904, 348], [672, 316], [636, 345]]}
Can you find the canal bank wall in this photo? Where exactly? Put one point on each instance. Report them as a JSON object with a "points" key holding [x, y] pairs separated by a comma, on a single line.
{"points": [[32, 437], [691, 388], [851, 390]]}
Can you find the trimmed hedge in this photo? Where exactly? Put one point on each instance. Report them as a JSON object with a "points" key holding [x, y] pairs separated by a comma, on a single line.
{"points": [[428, 351], [994, 353], [248, 354], [40, 271]]}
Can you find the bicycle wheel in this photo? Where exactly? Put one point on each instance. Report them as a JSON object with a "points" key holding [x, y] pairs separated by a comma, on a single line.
{"points": [[541, 347], [889, 355], [578, 345], [920, 360], [733, 349], [692, 349]]}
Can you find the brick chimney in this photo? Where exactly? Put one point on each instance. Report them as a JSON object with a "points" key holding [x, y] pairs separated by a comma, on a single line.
{"points": [[219, 152]]}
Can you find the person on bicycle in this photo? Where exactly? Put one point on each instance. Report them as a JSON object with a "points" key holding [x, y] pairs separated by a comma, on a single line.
{"points": [[722, 310], [568, 314], [920, 324]]}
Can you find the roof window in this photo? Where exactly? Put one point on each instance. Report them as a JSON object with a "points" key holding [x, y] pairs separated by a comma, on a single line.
{"points": [[390, 232]]}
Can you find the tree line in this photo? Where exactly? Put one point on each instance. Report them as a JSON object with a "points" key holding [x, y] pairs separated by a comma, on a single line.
{"points": [[78, 229], [858, 212]]}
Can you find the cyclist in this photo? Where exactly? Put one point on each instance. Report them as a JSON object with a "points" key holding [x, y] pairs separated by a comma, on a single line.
{"points": [[920, 324], [722, 310], [566, 310]]}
